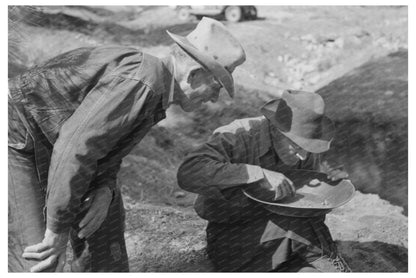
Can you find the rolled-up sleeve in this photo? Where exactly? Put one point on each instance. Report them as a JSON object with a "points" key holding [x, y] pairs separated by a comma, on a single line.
{"points": [[107, 113], [211, 168]]}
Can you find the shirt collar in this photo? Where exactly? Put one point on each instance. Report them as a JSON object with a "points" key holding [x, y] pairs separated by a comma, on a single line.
{"points": [[170, 83], [265, 137]]}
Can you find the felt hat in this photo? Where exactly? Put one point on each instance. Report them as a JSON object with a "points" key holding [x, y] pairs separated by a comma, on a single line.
{"points": [[215, 48], [300, 117]]}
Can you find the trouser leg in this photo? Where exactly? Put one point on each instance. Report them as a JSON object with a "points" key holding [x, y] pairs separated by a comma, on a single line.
{"points": [[323, 264], [328, 264], [25, 203], [105, 250]]}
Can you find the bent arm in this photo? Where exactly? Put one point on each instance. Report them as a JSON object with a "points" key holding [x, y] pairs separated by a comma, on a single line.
{"points": [[106, 175], [103, 118], [211, 168]]}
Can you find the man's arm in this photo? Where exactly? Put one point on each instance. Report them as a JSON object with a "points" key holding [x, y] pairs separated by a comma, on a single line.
{"points": [[106, 175], [105, 115], [212, 167], [98, 200]]}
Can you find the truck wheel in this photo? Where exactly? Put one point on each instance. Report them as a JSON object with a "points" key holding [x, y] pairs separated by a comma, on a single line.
{"points": [[184, 13], [233, 13], [253, 13]]}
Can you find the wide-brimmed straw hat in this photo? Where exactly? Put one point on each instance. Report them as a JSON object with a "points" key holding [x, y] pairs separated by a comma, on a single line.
{"points": [[300, 117], [215, 48]]}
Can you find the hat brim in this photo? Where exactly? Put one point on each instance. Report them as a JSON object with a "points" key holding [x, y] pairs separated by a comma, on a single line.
{"points": [[221, 74], [312, 145]]}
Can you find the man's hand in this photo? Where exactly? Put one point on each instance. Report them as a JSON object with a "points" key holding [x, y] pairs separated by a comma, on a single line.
{"points": [[279, 183], [98, 202], [48, 252], [333, 173]]}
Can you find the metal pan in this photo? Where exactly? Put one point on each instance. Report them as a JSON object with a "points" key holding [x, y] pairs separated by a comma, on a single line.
{"points": [[310, 200]]}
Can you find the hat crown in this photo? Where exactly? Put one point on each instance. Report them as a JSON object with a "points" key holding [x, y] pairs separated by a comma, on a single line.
{"points": [[306, 102], [213, 47], [300, 116], [211, 37]]}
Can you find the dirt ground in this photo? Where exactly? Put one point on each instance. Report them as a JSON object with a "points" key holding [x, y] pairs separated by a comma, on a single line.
{"points": [[355, 57], [371, 234]]}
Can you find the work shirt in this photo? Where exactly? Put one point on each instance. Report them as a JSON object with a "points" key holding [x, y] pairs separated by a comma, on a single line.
{"points": [[86, 109], [241, 234]]}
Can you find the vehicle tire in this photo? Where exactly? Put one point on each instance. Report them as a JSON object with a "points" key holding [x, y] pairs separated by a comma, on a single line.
{"points": [[184, 13], [253, 12], [233, 13]]}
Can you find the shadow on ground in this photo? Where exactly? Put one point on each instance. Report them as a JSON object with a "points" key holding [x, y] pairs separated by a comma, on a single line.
{"points": [[371, 256], [369, 106], [374, 256]]}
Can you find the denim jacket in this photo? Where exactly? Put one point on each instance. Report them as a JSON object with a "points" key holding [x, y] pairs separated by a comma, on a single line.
{"points": [[87, 109]]}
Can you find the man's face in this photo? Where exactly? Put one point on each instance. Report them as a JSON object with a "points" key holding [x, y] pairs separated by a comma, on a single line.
{"points": [[286, 149], [200, 87]]}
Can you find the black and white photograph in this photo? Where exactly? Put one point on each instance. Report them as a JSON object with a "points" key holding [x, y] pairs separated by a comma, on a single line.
{"points": [[208, 138]]}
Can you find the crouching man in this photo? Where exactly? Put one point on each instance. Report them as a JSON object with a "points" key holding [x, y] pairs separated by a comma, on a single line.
{"points": [[241, 234]]}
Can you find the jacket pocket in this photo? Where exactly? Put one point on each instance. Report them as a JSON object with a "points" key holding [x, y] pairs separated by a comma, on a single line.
{"points": [[18, 136]]}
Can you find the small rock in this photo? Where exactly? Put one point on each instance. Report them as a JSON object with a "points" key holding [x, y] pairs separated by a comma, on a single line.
{"points": [[362, 33], [287, 58], [380, 41], [309, 38], [292, 62], [305, 68], [340, 42], [179, 194], [125, 164], [297, 85], [314, 78], [310, 46], [355, 40], [271, 81], [388, 93], [381, 102], [331, 45]]}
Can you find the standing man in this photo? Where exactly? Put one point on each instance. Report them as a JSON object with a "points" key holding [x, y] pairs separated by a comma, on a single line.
{"points": [[73, 119], [241, 234]]}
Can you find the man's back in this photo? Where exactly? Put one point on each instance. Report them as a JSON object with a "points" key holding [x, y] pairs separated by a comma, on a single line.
{"points": [[51, 92]]}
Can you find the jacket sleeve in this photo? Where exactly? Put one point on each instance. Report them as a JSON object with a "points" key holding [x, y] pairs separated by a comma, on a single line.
{"points": [[212, 167], [106, 114], [106, 175]]}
